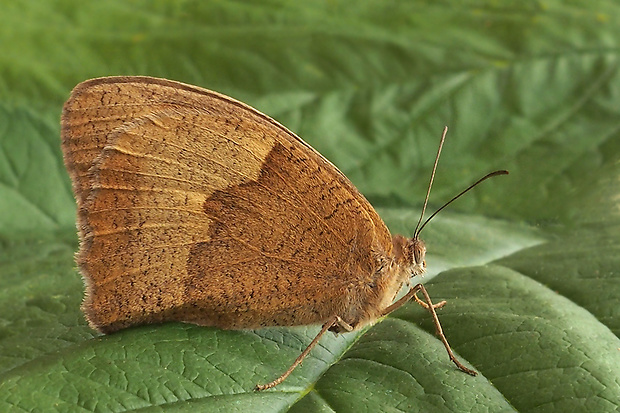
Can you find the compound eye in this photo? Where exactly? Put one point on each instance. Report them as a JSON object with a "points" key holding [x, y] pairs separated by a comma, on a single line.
{"points": [[419, 251]]}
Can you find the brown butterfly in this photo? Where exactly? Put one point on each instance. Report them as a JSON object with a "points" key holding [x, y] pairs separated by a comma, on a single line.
{"points": [[195, 207]]}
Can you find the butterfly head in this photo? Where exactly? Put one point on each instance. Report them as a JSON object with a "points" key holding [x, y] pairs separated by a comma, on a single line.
{"points": [[418, 254], [410, 254]]}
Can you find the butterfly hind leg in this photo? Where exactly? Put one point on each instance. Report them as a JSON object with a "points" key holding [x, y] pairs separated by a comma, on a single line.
{"points": [[335, 321]]}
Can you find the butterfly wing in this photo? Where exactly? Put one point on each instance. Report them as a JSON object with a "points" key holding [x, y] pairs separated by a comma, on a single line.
{"points": [[195, 207]]}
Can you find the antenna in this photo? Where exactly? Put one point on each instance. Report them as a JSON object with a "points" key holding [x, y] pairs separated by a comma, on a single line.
{"points": [[419, 227], [484, 178], [430, 184]]}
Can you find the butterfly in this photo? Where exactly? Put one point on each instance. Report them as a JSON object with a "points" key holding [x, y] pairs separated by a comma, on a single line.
{"points": [[195, 207]]}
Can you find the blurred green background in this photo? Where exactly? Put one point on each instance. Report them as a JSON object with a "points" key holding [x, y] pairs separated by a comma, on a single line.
{"points": [[529, 263]]}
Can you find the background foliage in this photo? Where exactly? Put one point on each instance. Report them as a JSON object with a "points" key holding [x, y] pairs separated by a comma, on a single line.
{"points": [[529, 263]]}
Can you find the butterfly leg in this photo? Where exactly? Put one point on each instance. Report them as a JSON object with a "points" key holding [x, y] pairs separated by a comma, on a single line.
{"points": [[402, 300], [334, 321], [423, 304], [431, 308], [343, 325]]}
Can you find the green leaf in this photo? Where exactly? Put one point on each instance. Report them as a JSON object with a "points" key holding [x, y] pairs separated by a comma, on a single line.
{"points": [[527, 263], [36, 196]]}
